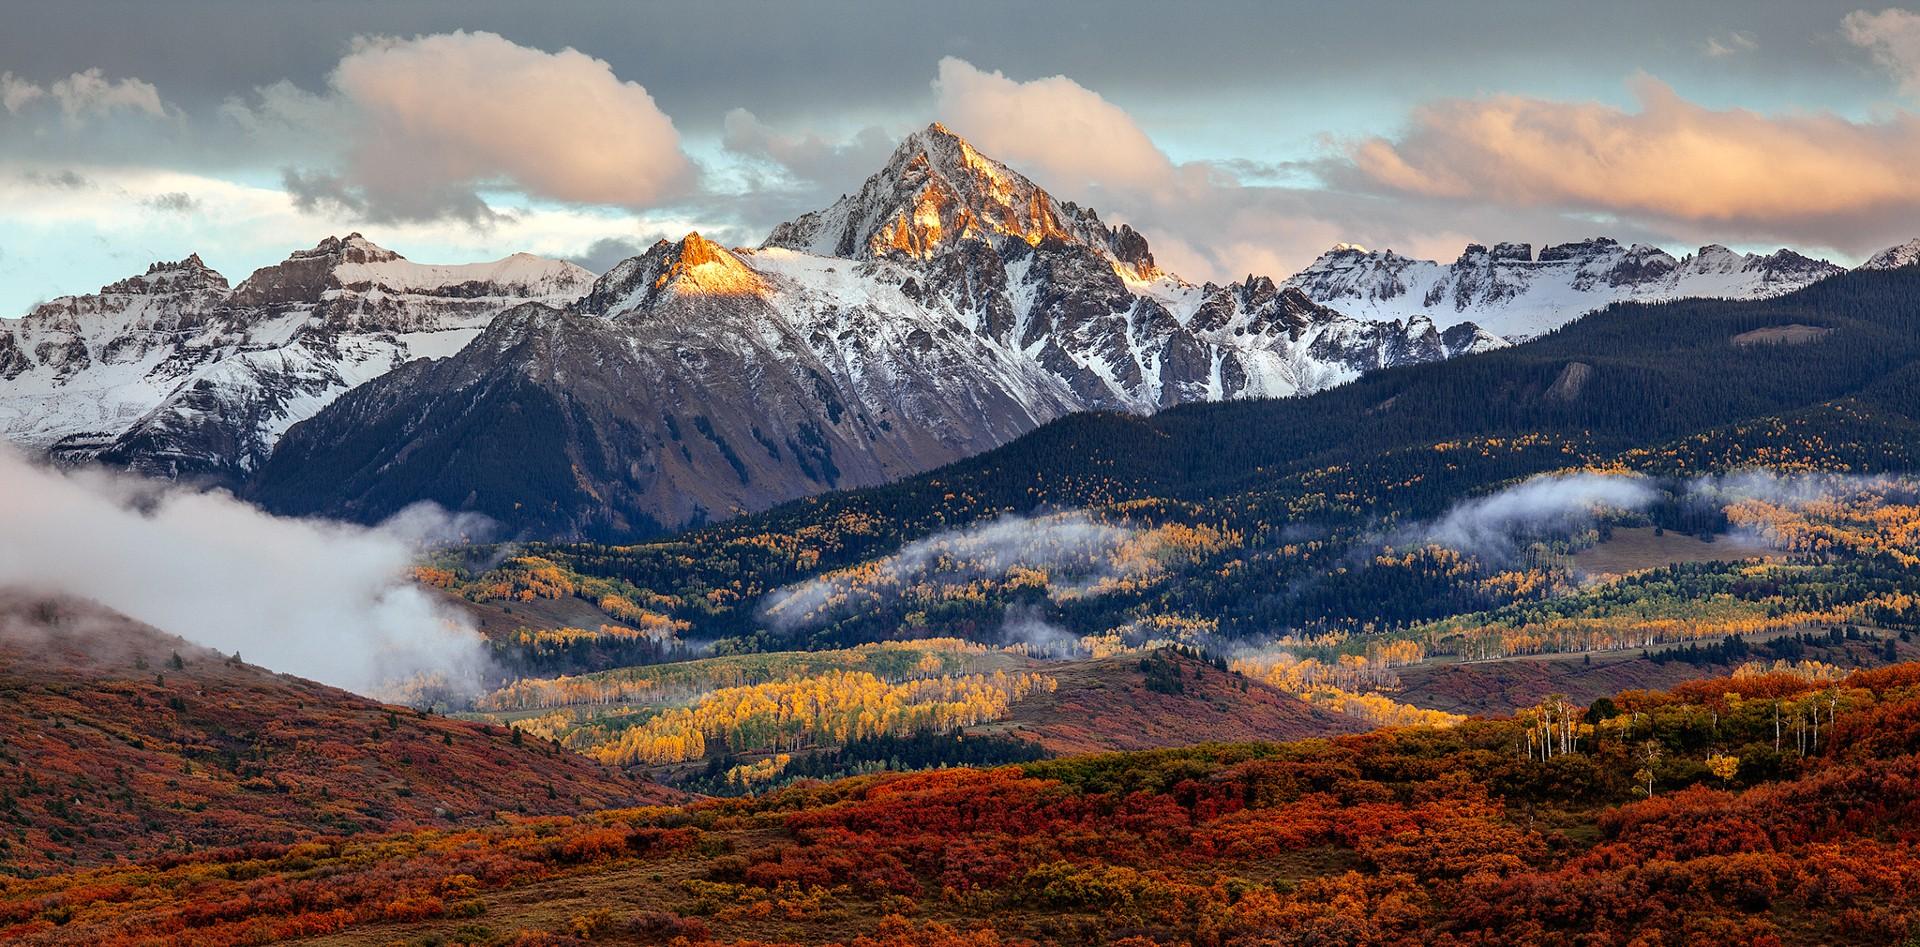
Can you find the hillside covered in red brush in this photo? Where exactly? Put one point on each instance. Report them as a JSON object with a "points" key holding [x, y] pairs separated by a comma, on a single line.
{"points": [[123, 743], [1763, 809]]}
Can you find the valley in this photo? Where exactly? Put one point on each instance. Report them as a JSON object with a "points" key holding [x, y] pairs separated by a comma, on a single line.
{"points": [[797, 516]]}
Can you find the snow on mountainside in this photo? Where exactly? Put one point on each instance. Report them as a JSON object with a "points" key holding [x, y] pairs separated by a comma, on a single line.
{"points": [[175, 374], [1049, 282], [947, 308], [1510, 292], [1892, 258]]}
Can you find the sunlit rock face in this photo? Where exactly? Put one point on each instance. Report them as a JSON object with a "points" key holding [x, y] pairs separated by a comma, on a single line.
{"points": [[937, 191]]}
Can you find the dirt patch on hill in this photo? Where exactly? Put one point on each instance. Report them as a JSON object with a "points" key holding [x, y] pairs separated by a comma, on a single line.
{"points": [[1631, 550], [1793, 334], [1572, 379]]}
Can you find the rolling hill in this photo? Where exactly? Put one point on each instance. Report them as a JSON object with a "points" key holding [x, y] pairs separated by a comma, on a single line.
{"points": [[127, 743], [1162, 699], [1693, 817]]}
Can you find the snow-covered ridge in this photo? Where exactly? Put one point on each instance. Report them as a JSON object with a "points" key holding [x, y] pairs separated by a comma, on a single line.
{"points": [[175, 372], [946, 307], [1509, 291], [1892, 258], [521, 274]]}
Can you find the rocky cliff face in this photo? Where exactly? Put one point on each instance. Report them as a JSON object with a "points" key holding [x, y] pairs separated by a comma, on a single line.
{"points": [[175, 374]]}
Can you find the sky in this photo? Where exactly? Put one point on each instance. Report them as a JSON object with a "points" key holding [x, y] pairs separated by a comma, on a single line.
{"points": [[1239, 137]]}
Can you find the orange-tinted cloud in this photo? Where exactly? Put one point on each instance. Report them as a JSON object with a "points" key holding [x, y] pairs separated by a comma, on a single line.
{"points": [[1054, 129], [429, 120], [1808, 176], [1204, 219]]}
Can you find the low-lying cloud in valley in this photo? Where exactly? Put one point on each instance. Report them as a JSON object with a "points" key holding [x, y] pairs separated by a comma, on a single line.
{"points": [[329, 601], [1490, 525], [1493, 526], [1076, 551]]}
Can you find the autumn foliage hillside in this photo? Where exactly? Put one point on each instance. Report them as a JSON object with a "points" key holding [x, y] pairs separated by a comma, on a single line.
{"points": [[1765, 809], [121, 742], [1159, 699]]}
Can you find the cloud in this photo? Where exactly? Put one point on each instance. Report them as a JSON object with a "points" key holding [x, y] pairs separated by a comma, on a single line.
{"points": [[428, 123], [77, 228], [1211, 220], [603, 254], [1076, 552], [1892, 36], [172, 202], [83, 95], [1025, 625], [1054, 128], [809, 157], [1729, 44], [1490, 526], [322, 600], [322, 192], [17, 93], [1202, 221], [64, 179], [1813, 177]]}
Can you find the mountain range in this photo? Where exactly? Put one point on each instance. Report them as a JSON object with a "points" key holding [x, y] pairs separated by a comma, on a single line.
{"points": [[175, 373], [945, 308]]}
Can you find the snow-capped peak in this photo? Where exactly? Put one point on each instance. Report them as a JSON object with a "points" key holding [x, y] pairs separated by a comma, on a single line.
{"points": [[937, 190], [1892, 258], [691, 266]]}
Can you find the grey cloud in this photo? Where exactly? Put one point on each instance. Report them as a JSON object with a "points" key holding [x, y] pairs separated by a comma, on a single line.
{"points": [[809, 157], [1488, 526], [850, 53], [604, 253], [1238, 65], [324, 191], [1076, 551], [64, 179], [173, 202]]}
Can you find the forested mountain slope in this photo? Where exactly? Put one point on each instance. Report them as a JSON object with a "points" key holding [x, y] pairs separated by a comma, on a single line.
{"points": [[1605, 392]]}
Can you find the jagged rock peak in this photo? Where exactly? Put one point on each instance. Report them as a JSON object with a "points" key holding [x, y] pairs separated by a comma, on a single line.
{"points": [[179, 276], [1906, 254], [690, 266], [1579, 249], [352, 248], [937, 190]]}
